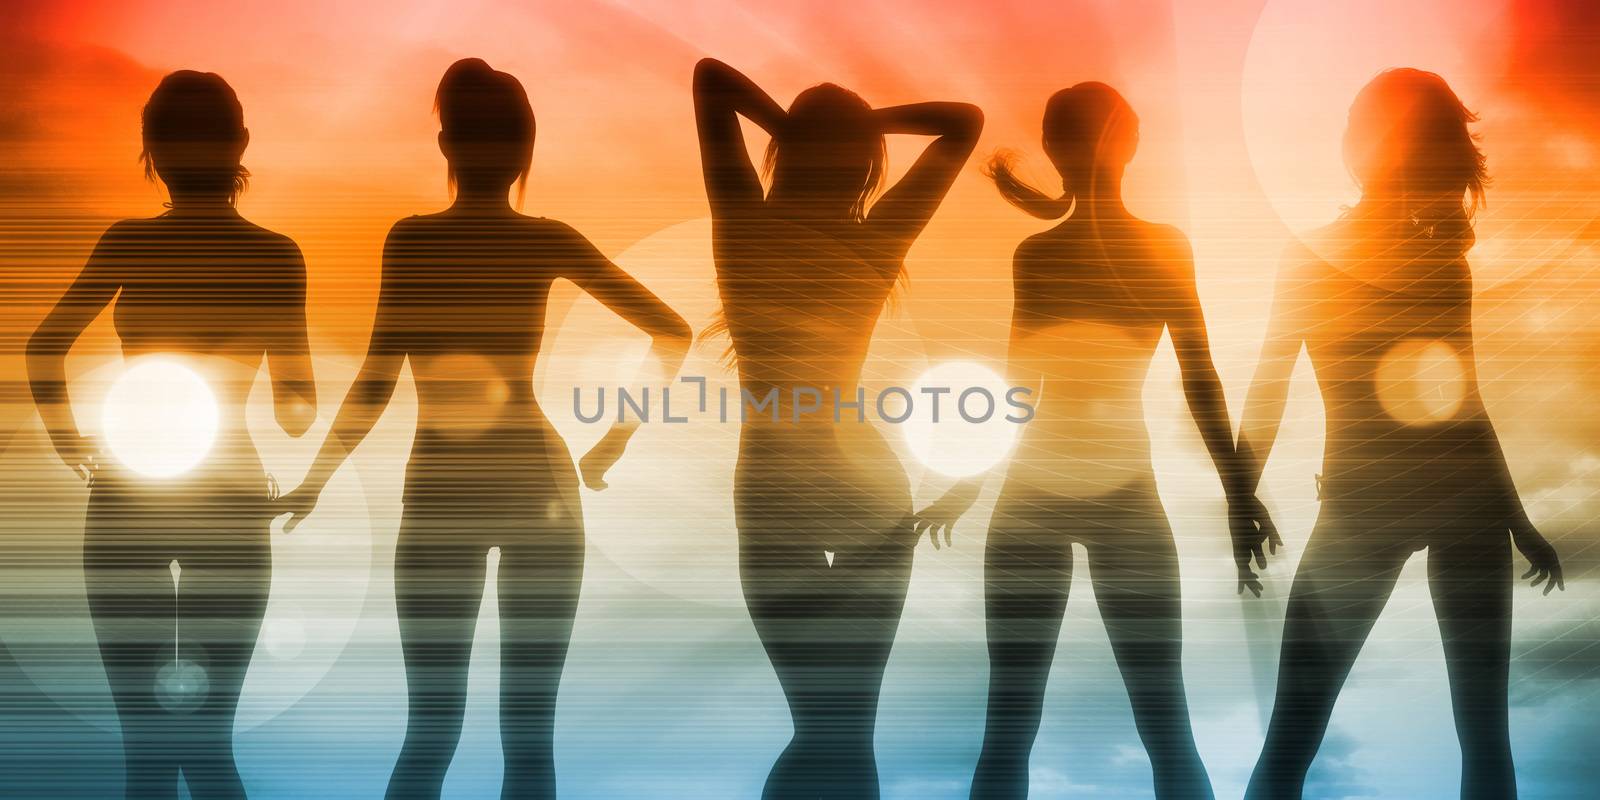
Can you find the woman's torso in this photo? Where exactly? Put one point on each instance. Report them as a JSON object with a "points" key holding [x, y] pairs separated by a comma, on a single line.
{"points": [[1388, 328], [211, 293], [465, 301], [1090, 305], [801, 303]]}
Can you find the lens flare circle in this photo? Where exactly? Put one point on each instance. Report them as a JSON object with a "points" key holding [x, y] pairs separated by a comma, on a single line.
{"points": [[971, 433], [160, 418], [182, 686], [1421, 382]]}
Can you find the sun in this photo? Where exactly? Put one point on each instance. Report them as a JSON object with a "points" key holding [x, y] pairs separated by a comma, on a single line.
{"points": [[972, 432], [160, 418]]}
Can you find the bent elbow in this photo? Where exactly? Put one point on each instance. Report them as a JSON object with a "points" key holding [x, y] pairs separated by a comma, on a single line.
{"points": [[296, 428], [45, 346], [707, 71], [968, 121], [295, 416], [678, 333]]}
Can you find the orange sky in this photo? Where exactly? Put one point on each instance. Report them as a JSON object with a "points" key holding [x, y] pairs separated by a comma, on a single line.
{"points": [[1240, 101]]}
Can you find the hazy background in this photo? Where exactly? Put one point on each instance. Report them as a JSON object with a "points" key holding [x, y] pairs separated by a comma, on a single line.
{"points": [[667, 691]]}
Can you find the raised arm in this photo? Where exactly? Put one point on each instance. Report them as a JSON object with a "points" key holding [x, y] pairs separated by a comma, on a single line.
{"points": [[1249, 524], [904, 210], [368, 396], [294, 386], [94, 288], [722, 94], [627, 298]]}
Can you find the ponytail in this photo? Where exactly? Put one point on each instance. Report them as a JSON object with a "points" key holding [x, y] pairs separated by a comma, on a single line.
{"points": [[1001, 168], [478, 103]]}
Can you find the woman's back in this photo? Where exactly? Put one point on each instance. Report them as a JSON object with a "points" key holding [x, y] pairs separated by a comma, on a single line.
{"points": [[1091, 301], [212, 291], [464, 299], [213, 285], [801, 300]]}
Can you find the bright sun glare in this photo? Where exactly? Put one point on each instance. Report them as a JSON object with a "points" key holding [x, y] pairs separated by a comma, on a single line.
{"points": [[160, 418], [954, 445]]}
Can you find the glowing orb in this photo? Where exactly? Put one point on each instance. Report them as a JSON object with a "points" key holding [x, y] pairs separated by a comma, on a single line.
{"points": [[971, 433], [466, 393], [182, 686], [284, 633], [1421, 381], [160, 418]]}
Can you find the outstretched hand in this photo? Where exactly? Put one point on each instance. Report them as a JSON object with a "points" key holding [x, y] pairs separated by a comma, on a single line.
{"points": [[1544, 566], [1254, 535], [942, 515]]}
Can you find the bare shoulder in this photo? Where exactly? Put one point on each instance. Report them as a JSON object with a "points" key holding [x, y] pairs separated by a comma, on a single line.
{"points": [[1033, 253], [1169, 245], [278, 256], [553, 229]]}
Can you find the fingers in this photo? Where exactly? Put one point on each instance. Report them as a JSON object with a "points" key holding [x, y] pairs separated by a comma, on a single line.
{"points": [[1529, 573], [1540, 576], [933, 527], [1249, 581], [1269, 531], [1551, 575], [1260, 554]]}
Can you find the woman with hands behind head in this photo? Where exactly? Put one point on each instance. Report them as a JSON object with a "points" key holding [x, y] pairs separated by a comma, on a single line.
{"points": [[1093, 295], [463, 300], [804, 269]]}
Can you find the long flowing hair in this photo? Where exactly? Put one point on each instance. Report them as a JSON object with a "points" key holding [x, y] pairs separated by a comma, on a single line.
{"points": [[1408, 137]]}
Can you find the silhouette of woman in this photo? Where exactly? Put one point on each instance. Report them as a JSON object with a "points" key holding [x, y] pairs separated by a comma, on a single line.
{"points": [[804, 271], [202, 286], [1093, 295], [463, 299], [1382, 302]]}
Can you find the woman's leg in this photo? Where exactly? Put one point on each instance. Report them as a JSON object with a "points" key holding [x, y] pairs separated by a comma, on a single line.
{"points": [[1027, 577], [132, 604], [828, 631], [1343, 581], [540, 576], [222, 597], [438, 586], [1133, 562], [868, 600], [1471, 584]]}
